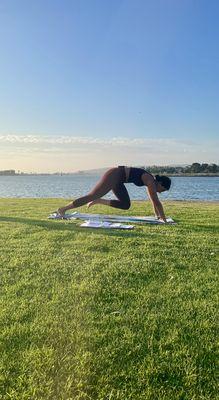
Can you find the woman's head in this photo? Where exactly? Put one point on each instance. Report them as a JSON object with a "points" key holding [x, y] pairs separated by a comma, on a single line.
{"points": [[163, 183]]}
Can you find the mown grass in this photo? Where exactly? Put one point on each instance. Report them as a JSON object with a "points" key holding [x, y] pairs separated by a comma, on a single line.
{"points": [[108, 315]]}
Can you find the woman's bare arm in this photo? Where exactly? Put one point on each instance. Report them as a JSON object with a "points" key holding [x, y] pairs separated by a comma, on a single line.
{"points": [[152, 193], [156, 212], [157, 205]]}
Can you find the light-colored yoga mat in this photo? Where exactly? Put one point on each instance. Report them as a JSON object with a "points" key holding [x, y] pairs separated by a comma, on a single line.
{"points": [[110, 218], [105, 224]]}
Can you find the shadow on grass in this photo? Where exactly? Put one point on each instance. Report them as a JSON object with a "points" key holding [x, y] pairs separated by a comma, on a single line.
{"points": [[72, 227]]}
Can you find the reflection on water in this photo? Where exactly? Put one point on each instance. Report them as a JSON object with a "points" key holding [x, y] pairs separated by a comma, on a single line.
{"points": [[183, 188]]}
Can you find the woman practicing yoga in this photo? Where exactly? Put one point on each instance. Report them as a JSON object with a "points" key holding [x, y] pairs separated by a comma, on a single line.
{"points": [[114, 180]]}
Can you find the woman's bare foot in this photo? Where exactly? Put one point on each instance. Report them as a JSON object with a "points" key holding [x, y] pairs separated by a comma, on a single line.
{"points": [[61, 211], [91, 203]]}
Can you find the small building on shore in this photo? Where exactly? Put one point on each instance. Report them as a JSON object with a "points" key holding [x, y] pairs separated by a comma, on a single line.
{"points": [[8, 172]]}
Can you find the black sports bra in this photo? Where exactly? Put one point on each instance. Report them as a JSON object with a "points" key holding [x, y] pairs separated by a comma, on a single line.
{"points": [[135, 175]]}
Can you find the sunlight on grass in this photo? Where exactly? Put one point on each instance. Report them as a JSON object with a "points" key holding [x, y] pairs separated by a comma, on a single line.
{"points": [[106, 315]]}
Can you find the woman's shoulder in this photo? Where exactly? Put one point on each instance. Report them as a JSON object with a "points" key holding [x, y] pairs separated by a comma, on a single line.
{"points": [[147, 177], [147, 173]]}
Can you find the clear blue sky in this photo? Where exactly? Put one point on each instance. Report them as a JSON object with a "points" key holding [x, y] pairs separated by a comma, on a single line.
{"points": [[110, 68]]}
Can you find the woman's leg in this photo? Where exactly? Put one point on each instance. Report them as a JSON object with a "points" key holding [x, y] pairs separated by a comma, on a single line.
{"points": [[122, 195], [109, 180]]}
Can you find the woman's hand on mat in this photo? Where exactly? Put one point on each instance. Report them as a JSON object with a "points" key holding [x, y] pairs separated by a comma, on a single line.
{"points": [[163, 220], [159, 218]]}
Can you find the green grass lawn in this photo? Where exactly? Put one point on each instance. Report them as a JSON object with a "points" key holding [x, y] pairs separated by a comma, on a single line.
{"points": [[108, 315]]}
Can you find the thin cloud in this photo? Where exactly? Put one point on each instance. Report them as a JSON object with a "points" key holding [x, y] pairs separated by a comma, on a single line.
{"points": [[67, 153], [74, 140]]}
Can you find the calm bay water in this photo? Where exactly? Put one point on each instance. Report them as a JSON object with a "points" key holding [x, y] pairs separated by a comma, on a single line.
{"points": [[72, 186]]}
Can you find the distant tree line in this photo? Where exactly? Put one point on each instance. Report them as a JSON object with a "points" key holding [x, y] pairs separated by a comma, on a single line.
{"points": [[8, 172], [195, 168]]}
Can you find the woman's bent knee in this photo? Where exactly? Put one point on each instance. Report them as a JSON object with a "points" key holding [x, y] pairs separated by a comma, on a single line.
{"points": [[126, 206]]}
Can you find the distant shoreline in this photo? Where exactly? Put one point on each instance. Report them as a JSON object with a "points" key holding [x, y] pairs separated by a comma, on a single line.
{"points": [[201, 175]]}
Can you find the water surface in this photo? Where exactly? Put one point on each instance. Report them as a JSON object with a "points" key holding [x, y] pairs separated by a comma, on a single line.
{"points": [[72, 186]]}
